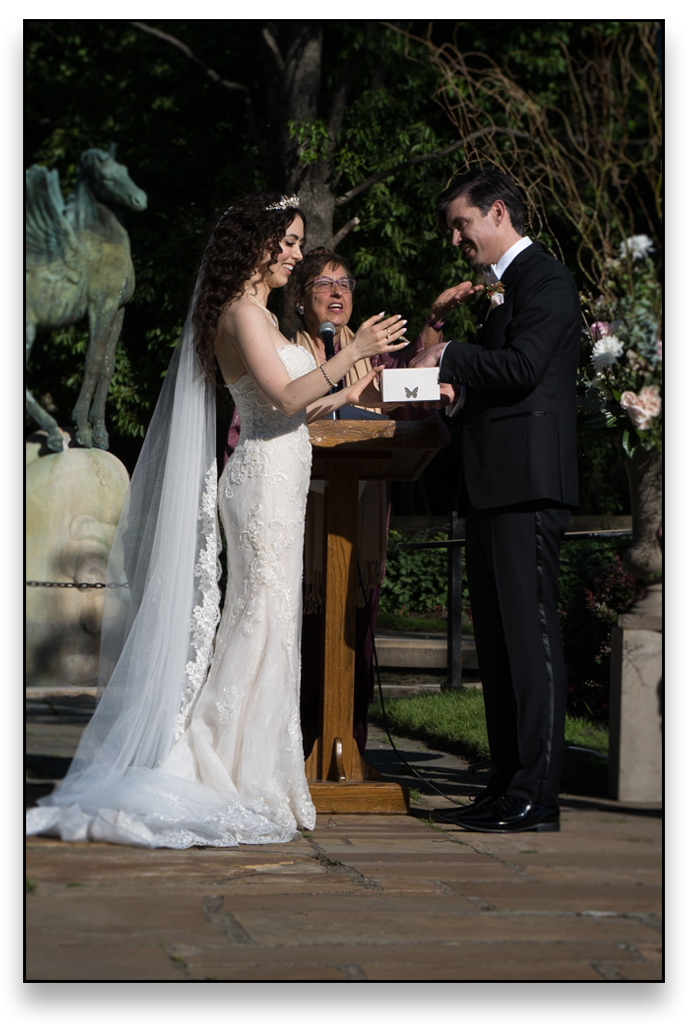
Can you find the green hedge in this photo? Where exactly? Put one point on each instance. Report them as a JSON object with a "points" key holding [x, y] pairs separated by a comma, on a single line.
{"points": [[415, 580], [594, 590]]}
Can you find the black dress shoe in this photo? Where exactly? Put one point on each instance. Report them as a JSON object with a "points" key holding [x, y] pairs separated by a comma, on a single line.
{"points": [[512, 814], [449, 815]]}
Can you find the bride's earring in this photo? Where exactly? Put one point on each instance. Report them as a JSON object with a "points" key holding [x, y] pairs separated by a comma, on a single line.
{"points": [[299, 307]]}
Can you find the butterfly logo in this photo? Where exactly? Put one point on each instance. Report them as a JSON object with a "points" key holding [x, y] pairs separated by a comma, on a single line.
{"points": [[412, 393]]}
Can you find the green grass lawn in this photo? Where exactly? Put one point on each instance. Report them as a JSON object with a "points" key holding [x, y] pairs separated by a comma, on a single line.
{"points": [[454, 721], [389, 622]]}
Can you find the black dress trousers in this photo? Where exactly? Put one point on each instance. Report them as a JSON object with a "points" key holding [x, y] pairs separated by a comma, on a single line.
{"points": [[512, 557]]}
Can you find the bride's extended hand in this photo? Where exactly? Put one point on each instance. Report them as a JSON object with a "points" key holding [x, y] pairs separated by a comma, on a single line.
{"points": [[365, 392], [379, 335]]}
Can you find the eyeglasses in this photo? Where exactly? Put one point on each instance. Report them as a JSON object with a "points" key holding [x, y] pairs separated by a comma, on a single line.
{"points": [[324, 285]]}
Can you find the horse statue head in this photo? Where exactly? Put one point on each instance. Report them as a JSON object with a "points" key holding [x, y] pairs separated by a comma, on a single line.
{"points": [[109, 180]]}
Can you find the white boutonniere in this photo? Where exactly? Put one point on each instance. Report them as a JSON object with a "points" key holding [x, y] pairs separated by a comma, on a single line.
{"points": [[496, 294]]}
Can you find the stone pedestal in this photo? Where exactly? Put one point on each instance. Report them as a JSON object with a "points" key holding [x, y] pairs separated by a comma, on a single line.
{"points": [[636, 705], [636, 654], [73, 502]]}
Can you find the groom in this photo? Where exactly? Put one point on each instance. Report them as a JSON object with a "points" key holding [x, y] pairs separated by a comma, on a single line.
{"points": [[515, 388]]}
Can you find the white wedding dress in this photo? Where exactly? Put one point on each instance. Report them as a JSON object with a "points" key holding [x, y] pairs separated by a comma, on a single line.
{"points": [[233, 770]]}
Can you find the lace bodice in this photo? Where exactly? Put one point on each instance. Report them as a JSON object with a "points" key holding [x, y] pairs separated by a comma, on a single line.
{"points": [[259, 419]]}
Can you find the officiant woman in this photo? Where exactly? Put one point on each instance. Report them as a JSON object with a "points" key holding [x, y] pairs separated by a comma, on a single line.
{"points": [[321, 289]]}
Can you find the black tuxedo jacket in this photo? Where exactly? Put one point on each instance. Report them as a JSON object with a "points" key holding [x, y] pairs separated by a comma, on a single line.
{"points": [[519, 419]]}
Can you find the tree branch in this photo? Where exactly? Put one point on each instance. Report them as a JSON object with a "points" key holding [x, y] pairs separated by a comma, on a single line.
{"points": [[274, 49], [211, 74], [575, 161], [422, 158], [344, 231]]}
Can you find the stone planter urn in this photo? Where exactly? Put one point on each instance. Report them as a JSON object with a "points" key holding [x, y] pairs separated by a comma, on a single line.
{"points": [[644, 559], [73, 501], [636, 657]]}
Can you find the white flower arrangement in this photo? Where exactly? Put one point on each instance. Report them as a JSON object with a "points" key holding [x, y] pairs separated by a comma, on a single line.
{"points": [[620, 385], [606, 352], [636, 247]]}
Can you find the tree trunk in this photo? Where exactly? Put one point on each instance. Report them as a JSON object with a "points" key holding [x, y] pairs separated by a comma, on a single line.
{"points": [[293, 54], [318, 202]]}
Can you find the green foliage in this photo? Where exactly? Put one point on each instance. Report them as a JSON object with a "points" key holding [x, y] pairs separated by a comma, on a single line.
{"points": [[410, 623], [583, 563], [395, 250], [603, 482], [415, 580], [580, 128], [594, 590], [187, 142], [90, 83], [311, 138]]}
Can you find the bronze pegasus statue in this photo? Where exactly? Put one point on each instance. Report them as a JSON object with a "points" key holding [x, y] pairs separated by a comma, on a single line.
{"points": [[78, 264]]}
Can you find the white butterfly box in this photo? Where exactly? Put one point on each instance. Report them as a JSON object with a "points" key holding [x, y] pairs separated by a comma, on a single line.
{"points": [[409, 385]]}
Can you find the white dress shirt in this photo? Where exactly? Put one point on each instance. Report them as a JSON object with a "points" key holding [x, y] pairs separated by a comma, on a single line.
{"points": [[503, 264], [491, 276]]}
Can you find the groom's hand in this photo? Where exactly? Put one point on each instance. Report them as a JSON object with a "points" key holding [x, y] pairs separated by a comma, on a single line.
{"points": [[429, 358], [448, 398]]}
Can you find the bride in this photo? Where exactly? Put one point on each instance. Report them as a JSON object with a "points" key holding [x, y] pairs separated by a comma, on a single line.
{"points": [[196, 737]]}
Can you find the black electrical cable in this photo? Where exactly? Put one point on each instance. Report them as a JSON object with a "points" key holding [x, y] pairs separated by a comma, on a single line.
{"points": [[423, 778]]}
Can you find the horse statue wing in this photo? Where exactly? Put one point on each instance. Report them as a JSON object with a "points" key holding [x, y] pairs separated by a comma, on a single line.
{"points": [[49, 235]]}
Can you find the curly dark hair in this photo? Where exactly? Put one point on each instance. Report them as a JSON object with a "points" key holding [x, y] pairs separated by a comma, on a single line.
{"points": [[239, 240], [311, 267]]}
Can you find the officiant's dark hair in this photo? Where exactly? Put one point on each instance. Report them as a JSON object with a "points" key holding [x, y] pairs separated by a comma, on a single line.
{"points": [[314, 264], [482, 188]]}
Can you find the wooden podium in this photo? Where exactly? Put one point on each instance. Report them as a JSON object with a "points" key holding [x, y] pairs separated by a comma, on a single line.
{"points": [[345, 453]]}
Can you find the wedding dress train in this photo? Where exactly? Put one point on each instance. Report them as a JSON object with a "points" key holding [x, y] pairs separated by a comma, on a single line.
{"points": [[233, 769]]}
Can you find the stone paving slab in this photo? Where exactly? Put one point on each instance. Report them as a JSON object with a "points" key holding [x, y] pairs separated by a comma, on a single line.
{"points": [[446, 880], [361, 898], [567, 898], [170, 927], [461, 962], [129, 963], [594, 874]]}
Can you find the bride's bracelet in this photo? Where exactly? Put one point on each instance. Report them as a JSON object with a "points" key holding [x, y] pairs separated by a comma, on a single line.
{"points": [[327, 377]]}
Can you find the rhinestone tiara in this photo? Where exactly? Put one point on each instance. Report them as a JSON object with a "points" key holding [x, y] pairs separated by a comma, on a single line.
{"points": [[280, 205], [283, 203]]}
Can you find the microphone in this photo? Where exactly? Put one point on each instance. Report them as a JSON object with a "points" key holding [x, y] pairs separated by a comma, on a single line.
{"points": [[326, 331]]}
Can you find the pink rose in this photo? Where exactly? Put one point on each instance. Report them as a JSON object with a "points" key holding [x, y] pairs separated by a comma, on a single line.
{"points": [[599, 330], [660, 349], [640, 409], [650, 397]]}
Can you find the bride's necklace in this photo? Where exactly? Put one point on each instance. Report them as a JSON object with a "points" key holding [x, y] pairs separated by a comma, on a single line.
{"points": [[271, 316]]}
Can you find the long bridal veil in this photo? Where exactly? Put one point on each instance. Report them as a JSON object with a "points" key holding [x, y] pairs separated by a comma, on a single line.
{"points": [[160, 614]]}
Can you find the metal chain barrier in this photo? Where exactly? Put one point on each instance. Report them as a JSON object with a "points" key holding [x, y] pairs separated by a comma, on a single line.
{"points": [[80, 585]]}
